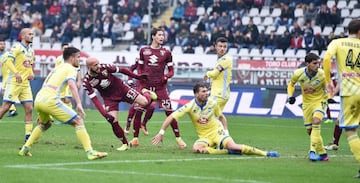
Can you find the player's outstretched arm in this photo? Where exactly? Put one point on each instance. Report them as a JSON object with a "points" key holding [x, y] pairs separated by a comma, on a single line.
{"points": [[159, 137], [74, 91]]}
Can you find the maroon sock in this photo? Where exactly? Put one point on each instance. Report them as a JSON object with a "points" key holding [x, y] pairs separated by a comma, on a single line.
{"points": [[328, 113], [147, 96], [174, 125], [130, 116], [119, 132], [137, 123], [337, 134], [149, 112]]}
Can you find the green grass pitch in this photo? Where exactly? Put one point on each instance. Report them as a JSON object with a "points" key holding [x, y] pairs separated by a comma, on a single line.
{"points": [[59, 157]]}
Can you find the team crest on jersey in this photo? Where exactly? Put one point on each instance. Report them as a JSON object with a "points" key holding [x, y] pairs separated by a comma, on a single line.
{"points": [[26, 64], [105, 73], [147, 52], [317, 82], [162, 52], [94, 82], [104, 83]]}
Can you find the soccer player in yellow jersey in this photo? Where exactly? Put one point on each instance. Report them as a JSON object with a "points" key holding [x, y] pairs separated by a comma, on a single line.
{"points": [[209, 122], [48, 105], [221, 74], [19, 61], [5, 74], [66, 94], [347, 53], [314, 96]]}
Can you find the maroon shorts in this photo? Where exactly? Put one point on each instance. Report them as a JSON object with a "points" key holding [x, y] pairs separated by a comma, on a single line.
{"points": [[163, 98], [127, 95]]}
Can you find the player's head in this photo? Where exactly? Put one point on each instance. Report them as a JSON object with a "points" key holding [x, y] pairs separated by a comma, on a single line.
{"points": [[157, 36], [72, 56], [201, 92], [221, 46], [26, 35], [312, 61], [354, 27], [63, 46], [92, 64], [2, 45]]}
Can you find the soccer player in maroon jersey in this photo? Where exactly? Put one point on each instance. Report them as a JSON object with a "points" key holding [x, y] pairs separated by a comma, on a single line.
{"points": [[154, 60], [113, 91], [148, 111]]}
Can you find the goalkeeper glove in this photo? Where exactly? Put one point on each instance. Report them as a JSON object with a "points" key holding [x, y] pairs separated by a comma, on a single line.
{"points": [[291, 100]]}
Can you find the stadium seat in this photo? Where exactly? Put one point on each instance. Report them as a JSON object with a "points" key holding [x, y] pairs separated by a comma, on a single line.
{"points": [[177, 50], [267, 54], [346, 22], [200, 11], [127, 27], [355, 13], [46, 46], [298, 12], [245, 20], [345, 13], [133, 48], [301, 53], [269, 29], [76, 42], [86, 41], [199, 50], [46, 36], [97, 47], [209, 10], [290, 54], [107, 43], [276, 12], [35, 44], [193, 27], [341, 5], [96, 41], [260, 28], [352, 3], [265, 12], [145, 20], [255, 54], [87, 47], [129, 35], [280, 30], [257, 20], [327, 30], [56, 46], [244, 53], [268, 21], [339, 30], [317, 29], [278, 54], [232, 51], [253, 12], [330, 3]]}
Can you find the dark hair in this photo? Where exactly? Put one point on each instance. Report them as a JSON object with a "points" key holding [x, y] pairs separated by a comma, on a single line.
{"points": [[354, 26], [154, 31], [311, 57], [64, 44], [69, 51], [221, 39], [197, 87]]}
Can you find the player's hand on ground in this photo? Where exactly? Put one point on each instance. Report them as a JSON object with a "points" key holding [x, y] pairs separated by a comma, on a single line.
{"points": [[291, 100], [109, 118], [30, 77], [158, 138], [18, 77]]}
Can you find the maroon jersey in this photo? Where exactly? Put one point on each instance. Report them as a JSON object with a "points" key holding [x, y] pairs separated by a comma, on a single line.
{"points": [[108, 85], [154, 61]]}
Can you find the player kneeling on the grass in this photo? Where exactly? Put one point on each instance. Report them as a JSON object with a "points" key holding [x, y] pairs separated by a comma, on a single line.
{"points": [[205, 115], [48, 104]]}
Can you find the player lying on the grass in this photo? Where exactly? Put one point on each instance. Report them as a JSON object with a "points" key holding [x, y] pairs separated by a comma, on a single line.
{"points": [[205, 115], [48, 105], [113, 90], [314, 96]]}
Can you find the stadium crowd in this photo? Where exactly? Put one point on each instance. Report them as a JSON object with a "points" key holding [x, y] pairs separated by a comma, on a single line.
{"points": [[188, 28]]}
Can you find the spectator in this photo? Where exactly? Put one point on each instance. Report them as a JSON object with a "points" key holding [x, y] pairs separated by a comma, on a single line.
{"points": [[106, 27], [308, 41], [224, 21], [201, 25], [184, 25], [203, 40], [308, 28], [54, 8], [116, 29], [16, 26], [67, 31], [178, 13], [239, 41], [48, 20], [251, 34], [271, 41], [26, 17], [229, 36], [190, 13], [58, 19], [194, 38], [36, 6], [310, 13], [261, 41], [213, 20], [334, 17], [211, 50], [55, 35], [182, 37], [319, 43], [323, 15], [172, 37], [5, 26], [283, 42], [217, 7], [240, 7], [214, 35], [238, 27], [330, 37], [140, 8], [296, 29], [135, 21], [37, 27], [286, 17], [296, 41], [87, 28], [188, 49], [139, 37]]}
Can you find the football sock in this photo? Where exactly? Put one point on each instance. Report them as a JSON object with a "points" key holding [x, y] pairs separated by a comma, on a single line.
{"points": [[119, 132], [35, 135], [245, 149], [337, 134], [137, 123], [316, 140], [354, 143], [28, 127], [130, 116], [12, 108], [211, 150], [149, 112], [83, 137], [174, 125]]}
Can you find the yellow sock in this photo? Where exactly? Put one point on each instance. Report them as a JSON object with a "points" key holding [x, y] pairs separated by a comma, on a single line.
{"points": [[354, 143], [211, 150], [84, 138], [245, 149], [12, 108], [35, 135], [316, 140], [28, 127]]}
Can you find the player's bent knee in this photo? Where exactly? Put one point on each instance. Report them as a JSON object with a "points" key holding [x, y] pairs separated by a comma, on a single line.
{"points": [[78, 121]]}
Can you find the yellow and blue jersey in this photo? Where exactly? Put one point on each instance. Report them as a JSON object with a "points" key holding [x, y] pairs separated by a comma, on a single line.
{"points": [[312, 87], [204, 118], [347, 52], [22, 58], [221, 77]]}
